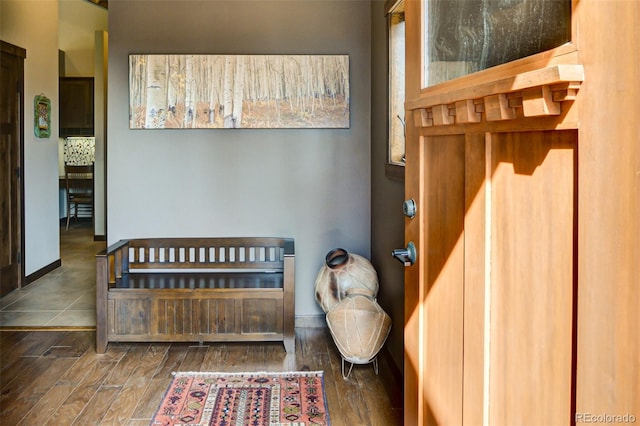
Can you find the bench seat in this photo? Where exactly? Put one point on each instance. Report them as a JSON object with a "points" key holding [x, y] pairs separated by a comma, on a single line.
{"points": [[200, 280]]}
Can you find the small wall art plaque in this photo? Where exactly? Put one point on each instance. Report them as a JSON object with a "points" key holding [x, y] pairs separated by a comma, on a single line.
{"points": [[42, 116]]}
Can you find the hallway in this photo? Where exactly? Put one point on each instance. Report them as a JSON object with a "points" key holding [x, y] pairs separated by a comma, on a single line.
{"points": [[65, 298]]}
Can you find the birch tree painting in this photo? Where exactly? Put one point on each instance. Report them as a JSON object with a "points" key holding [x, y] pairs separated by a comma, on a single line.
{"points": [[238, 91]]}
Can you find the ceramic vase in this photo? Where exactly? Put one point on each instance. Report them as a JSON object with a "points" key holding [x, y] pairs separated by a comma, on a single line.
{"points": [[359, 327], [341, 272]]}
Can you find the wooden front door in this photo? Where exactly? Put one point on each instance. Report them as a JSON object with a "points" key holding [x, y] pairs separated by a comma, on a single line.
{"points": [[490, 301], [11, 134]]}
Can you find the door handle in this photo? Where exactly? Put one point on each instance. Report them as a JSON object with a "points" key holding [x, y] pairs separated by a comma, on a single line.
{"points": [[406, 256]]}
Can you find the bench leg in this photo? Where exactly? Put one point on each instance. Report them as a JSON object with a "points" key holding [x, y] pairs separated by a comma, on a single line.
{"points": [[290, 344], [101, 347], [102, 285]]}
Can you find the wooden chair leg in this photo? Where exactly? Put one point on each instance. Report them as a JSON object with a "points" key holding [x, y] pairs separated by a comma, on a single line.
{"points": [[68, 214]]}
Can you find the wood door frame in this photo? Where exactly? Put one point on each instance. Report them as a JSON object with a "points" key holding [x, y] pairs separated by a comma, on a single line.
{"points": [[10, 49]]}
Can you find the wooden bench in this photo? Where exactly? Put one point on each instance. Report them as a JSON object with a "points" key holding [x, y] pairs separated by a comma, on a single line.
{"points": [[196, 290]]}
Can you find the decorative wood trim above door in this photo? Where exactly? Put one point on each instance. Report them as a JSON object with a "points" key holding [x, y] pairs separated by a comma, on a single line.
{"points": [[534, 93]]}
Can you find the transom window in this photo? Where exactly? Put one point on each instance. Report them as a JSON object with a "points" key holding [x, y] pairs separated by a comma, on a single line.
{"points": [[465, 36]]}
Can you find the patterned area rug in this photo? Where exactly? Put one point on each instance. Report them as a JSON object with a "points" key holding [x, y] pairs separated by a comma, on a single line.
{"points": [[239, 399]]}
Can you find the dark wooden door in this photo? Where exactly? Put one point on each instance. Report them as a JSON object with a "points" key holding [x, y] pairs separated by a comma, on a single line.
{"points": [[11, 142]]}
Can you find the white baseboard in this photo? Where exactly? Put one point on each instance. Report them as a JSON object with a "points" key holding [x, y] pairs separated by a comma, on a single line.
{"points": [[311, 321]]}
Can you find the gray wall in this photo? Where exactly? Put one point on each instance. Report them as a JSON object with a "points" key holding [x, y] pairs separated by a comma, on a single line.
{"points": [[387, 221], [310, 184], [33, 25]]}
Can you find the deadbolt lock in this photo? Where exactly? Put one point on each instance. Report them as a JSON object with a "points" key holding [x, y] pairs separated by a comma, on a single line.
{"points": [[409, 208]]}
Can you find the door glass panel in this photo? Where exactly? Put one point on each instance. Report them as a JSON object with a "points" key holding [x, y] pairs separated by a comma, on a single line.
{"points": [[465, 36]]}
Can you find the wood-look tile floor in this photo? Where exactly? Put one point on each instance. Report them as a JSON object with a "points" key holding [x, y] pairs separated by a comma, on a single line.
{"points": [[56, 378], [66, 296]]}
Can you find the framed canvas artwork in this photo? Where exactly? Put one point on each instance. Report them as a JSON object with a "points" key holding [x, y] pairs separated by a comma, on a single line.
{"points": [[238, 91]]}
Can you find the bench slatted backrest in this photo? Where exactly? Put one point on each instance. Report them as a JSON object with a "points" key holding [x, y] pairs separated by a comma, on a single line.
{"points": [[260, 254]]}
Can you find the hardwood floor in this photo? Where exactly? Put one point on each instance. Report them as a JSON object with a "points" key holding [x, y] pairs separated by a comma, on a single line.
{"points": [[50, 373], [56, 378]]}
